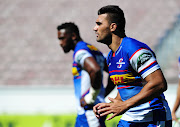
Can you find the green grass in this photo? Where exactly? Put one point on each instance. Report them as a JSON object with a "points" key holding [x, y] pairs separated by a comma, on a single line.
{"points": [[45, 121]]}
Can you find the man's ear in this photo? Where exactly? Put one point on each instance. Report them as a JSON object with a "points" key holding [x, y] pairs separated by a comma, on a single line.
{"points": [[74, 36], [113, 27]]}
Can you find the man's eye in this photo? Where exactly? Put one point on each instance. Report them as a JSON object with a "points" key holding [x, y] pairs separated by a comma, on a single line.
{"points": [[98, 23], [61, 38]]}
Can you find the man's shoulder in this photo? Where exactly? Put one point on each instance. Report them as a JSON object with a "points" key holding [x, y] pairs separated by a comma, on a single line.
{"points": [[132, 45], [132, 42], [80, 46]]}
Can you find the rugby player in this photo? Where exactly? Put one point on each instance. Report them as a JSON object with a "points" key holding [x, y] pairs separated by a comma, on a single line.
{"points": [[88, 66], [130, 62], [177, 101]]}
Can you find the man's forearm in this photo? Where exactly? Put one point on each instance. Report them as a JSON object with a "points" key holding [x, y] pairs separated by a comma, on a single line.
{"points": [[96, 79], [177, 102], [156, 85], [145, 95], [110, 86]]}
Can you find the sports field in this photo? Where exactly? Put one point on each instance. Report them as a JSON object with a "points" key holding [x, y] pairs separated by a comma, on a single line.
{"points": [[67, 120], [48, 107]]}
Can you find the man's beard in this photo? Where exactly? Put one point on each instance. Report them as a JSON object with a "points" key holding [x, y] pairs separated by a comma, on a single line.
{"points": [[107, 40]]}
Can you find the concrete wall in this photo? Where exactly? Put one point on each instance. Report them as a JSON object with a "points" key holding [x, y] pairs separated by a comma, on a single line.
{"points": [[50, 100]]}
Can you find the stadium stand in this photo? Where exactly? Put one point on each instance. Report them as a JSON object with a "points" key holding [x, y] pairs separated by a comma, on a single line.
{"points": [[29, 50], [168, 51]]}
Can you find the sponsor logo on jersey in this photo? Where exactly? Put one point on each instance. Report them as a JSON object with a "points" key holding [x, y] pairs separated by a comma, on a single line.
{"points": [[143, 58], [75, 71], [120, 63], [121, 79], [91, 47]]}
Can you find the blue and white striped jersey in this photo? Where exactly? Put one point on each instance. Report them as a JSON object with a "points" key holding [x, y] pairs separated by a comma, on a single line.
{"points": [[128, 66], [82, 80]]}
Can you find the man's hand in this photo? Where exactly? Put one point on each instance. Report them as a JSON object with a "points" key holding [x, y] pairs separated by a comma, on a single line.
{"points": [[116, 107], [174, 117], [83, 102]]}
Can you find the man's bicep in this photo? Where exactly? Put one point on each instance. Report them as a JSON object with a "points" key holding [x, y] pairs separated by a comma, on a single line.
{"points": [[156, 79], [155, 75], [87, 61], [91, 65], [94, 70]]}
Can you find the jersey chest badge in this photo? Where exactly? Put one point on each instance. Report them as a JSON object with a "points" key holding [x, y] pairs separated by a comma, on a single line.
{"points": [[120, 63]]}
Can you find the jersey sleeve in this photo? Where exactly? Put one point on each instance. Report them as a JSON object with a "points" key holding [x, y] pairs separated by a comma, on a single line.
{"points": [[81, 55], [143, 61]]}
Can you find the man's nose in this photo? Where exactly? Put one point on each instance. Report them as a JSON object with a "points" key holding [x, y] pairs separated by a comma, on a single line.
{"points": [[60, 43], [95, 28]]}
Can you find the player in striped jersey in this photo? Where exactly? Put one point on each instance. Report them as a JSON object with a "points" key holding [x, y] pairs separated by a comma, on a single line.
{"points": [[130, 63], [177, 101], [88, 66]]}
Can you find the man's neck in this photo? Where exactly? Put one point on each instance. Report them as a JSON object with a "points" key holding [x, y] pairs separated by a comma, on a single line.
{"points": [[116, 42], [75, 43]]}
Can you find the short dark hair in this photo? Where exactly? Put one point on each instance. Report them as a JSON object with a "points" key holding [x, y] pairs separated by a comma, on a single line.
{"points": [[115, 15], [70, 27]]}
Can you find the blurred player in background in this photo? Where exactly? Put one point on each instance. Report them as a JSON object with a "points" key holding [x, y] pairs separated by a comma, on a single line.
{"points": [[177, 101], [130, 62], [88, 66]]}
